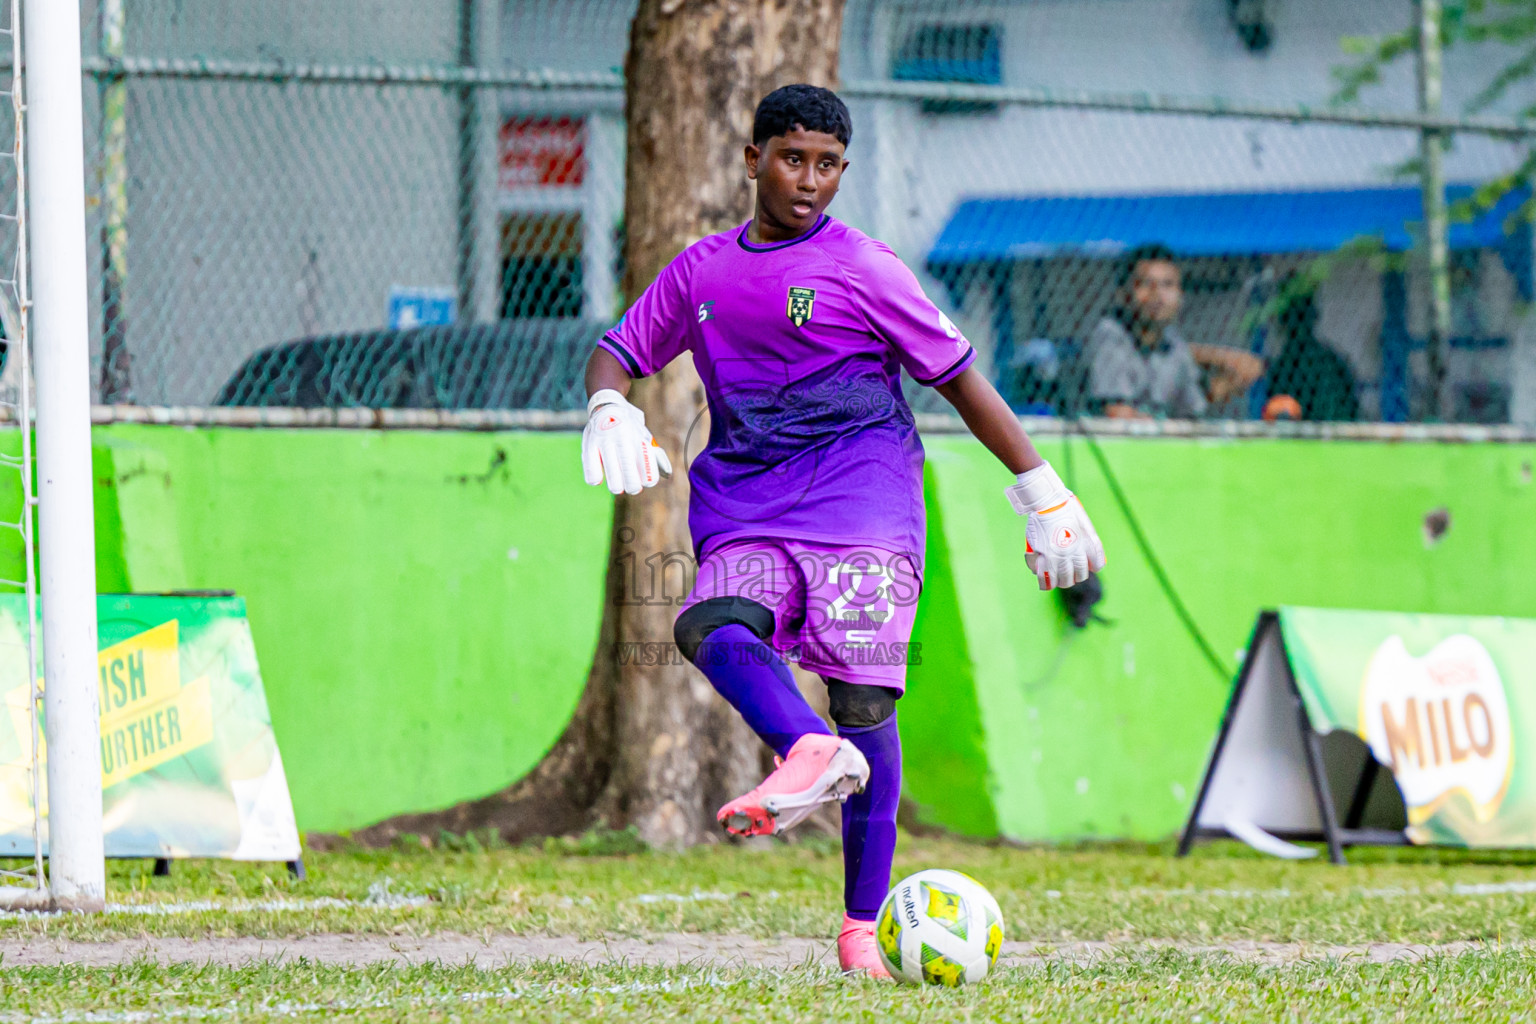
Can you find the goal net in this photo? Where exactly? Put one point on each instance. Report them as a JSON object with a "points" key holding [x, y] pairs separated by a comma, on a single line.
{"points": [[22, 880]]}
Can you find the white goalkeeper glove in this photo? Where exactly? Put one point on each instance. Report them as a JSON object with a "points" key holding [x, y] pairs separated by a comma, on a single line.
{"points": [[1060, 543], [617, 446]]}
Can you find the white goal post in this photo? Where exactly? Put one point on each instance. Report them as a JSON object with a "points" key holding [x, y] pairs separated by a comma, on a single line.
{"points": [[55, 176]]}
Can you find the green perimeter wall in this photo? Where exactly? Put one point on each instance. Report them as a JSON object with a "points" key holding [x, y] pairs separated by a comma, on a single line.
{"points": [[1105, 732], [425, 604]]}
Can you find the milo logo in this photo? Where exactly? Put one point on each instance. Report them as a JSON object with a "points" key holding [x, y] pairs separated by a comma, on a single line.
{"points": [[1441, 722]]}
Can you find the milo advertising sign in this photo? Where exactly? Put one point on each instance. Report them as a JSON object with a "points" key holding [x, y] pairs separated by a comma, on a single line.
{"points": [[1441, 723], [1355, 727], [1446, 703]]}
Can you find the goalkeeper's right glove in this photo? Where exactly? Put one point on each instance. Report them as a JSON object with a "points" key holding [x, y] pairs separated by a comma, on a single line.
{"points": [[1060, 543], [616, 446]]}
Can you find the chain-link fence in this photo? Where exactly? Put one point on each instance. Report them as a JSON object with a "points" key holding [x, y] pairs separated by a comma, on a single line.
{"points": [[348, 204]]}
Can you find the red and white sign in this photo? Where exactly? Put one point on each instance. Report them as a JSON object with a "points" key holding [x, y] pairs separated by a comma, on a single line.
{"points": [[542, 152]]}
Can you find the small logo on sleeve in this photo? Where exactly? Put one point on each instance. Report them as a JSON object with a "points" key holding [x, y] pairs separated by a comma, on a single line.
{"points": [[948, 326], [706, 310], [801, 301]]}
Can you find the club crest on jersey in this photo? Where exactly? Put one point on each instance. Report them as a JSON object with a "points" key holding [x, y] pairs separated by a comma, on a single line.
{"points": [[801, 300]]}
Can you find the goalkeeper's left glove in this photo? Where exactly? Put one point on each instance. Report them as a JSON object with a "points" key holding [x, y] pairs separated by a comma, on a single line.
{"points": [[1061, 545]]}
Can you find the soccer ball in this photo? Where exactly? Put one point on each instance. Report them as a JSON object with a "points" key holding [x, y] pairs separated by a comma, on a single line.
{"points": [[940, 927]]}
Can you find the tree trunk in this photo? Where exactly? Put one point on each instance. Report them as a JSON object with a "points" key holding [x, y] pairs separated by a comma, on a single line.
{"points": [[651, 745]]}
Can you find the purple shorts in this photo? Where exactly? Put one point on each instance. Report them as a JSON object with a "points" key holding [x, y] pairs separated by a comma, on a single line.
{"points": [[843, 612]]}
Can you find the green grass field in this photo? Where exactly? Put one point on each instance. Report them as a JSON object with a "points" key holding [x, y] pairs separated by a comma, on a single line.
{"points": [[584, 930]]}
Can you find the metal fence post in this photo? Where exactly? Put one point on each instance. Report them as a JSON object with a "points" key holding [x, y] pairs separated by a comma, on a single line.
{"points": [[116, 384], [468, 183], [1436, 226]]}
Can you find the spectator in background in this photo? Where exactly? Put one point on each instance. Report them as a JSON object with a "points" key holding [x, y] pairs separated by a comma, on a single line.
{"points": [[1306, 370], [1140, 366]]}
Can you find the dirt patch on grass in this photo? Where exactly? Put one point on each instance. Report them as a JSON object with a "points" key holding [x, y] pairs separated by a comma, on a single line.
{"points": [[489, 952], [666, 950]]}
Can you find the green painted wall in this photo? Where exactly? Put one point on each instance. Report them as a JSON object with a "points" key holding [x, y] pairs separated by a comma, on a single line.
{"points": [[943, 738], [425, 604], [1110, 739]]}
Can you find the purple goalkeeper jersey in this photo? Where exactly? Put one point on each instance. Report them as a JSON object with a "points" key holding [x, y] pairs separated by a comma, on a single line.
{"points": [[800, 345]]}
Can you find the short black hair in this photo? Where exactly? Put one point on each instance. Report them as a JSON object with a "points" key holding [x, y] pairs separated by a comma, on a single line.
{"points": [[810, 107], [1147, 252]]}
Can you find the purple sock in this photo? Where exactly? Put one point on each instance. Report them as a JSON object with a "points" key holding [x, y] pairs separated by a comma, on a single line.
{"points": [[869, 821], [755, 681]]}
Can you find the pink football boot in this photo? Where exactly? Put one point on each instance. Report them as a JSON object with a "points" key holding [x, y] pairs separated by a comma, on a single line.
{"points": [[818, 770], [856, 952]]}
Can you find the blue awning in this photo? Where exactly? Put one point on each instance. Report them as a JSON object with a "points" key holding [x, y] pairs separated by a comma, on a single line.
{"points": [[1213, 224]]}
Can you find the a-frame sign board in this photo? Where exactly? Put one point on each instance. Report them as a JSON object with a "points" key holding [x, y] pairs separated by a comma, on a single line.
{"points": [[1273, 780]]}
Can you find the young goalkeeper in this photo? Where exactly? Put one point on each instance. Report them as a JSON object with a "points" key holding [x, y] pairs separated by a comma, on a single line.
{"points": [[807, 504]]}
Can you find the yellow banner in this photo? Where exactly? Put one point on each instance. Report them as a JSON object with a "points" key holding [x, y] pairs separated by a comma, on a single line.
{"points": [[170, 670], [155, 733], [147, 716], [139, 672]]}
